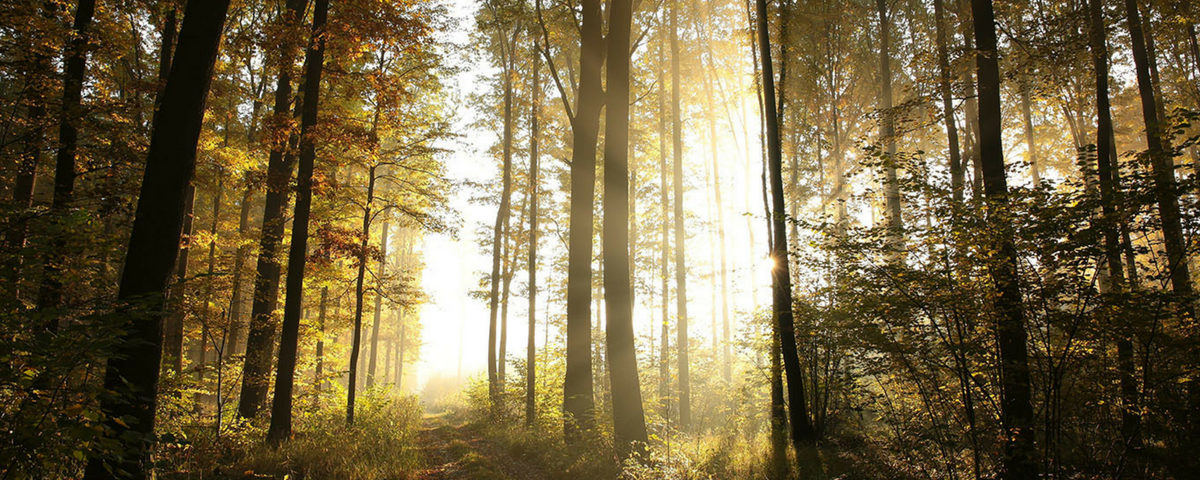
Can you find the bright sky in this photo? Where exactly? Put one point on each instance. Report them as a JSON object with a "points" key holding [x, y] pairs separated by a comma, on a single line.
{"points": [[453, 264]]}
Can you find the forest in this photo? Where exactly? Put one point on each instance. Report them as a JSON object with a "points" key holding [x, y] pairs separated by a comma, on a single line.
{"points": [[599, 239]]}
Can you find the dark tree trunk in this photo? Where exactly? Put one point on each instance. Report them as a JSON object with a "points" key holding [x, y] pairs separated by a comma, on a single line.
{"points": [[1035, 172], [314, 60], [956, 167], [132, 375], [236, 299], [681, 327], [70, 115], [1109, 193], [629, 423], [1019, 460], [261, 337], [664, 355], [535, 99], [578, 400], [356, 339], [383, 241], [319, 374], [801, 429]]}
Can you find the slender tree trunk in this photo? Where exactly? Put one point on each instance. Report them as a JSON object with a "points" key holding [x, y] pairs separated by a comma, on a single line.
{"points": [[173, 338], [210, 316], [681, 326], [356, 339], [1109, 192], [1031, 154], [887, 135], [726, 352], [629, 423], [319, 373], [578, 397], [281, 407], [956, 167], [1019, 460], [500, 232], [535, 99], [70, 115], [132, 376], [664, 370], [801, 429], [383, 242], [236, 299], [261, 337]]}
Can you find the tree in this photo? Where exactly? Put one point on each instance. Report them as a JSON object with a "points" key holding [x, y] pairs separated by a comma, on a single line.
{"points": [[629, 424], [132, 373], [260, 338], [681, 321], [281, 406], [535, 100], [1016, 412]]}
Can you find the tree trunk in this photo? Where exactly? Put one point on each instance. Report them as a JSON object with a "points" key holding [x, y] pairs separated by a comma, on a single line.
{"points": [[535, 99], [801, 429], [261, 337], [578, 401], [1031, 154], [314, 59], [132, 376], [319, 374], [70, 115], [383, 241], [956, 167], [629, 423], [1019, 460], [681, 327], [356, 339], [236, 299], [887, 136], [664, 370], [500, 231], [173, 325]]}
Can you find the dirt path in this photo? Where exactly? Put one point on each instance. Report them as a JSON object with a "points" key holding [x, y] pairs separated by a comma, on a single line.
{"points": [[454, 449]]}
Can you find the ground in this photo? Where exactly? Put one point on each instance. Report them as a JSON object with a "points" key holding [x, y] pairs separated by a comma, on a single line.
{"points": [[452, 448]]}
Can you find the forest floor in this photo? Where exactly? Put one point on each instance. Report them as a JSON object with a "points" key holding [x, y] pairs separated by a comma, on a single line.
{"points": [[453, 448]]}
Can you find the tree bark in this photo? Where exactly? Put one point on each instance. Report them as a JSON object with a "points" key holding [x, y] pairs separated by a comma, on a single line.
{"points": [[70, 115], [681, 325], [578, 399], [281, 406], [132, 376], [261, 336], [360, 277], [1019, 458], [629, 423], [956, 167], [887, 136], [383, 242], [500, 230], [801, 428], [535, 99]]}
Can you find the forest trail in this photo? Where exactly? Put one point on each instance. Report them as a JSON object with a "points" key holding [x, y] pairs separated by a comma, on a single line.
{"points": [[453, 448]]}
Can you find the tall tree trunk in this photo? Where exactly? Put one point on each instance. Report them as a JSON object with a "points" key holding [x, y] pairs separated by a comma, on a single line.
{"points": [[726, 351], [500, 230], [1019, 460], [535, 99], [261, 336], [1109, 192], [132, 376], [70, 115], [1031, 154], [971, 104], [664, 370], [173, 324], [383, 242], [629, 423], [314, 60], [34, 94], [237, 293], [360, 277], [887, 135], [956, 167], [801, 428], [578, 397], [319, 371], [681, 326], [209, 315]]}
